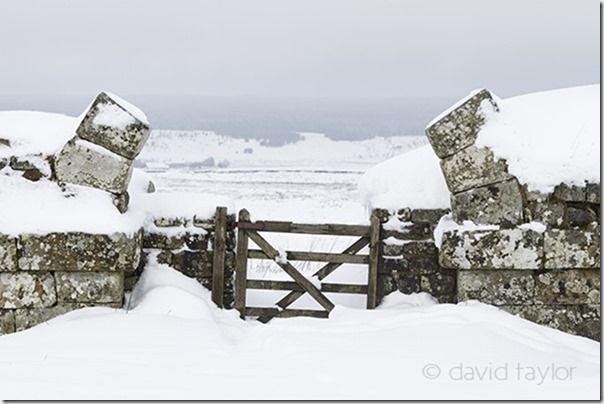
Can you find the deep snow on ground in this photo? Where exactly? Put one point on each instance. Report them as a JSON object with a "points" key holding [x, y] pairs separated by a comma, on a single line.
{"points": [[174, 344]]}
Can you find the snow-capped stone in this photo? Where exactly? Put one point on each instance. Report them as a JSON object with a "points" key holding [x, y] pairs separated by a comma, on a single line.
{"points": [[116, 125]]}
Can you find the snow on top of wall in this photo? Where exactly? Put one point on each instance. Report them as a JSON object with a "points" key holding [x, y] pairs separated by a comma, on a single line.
{"points": [[42, 207], [31, 132], [113, 116], [548, 137], [411, 180]]}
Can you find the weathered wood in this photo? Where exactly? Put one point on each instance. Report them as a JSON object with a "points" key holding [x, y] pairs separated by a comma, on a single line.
{"points": [[306, 284], [343, 288], [219, 254], [307, 228], [352, 249], [241, 264], [374, 259], [323, 272], [273, 312], [315, 257], [272, 285]]}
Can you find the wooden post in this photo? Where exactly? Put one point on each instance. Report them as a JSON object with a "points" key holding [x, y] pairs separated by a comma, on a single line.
{"points": [[241, 268], [219, 253], [374, 259]]}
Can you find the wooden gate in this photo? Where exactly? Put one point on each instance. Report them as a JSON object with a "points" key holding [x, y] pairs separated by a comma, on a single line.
{"points": [[248, 230]]}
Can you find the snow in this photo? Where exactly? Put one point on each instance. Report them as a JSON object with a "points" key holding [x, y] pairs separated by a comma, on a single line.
{"points": [[453, 107], [446, 224], [173, 343], [31, 132], [548, 137], [113, 116], [411, 180], [131, 108]]}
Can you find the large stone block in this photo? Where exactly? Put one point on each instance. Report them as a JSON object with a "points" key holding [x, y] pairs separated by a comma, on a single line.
{"points": [[473, 167], [571, 286], [459, 128], [431, 216], [492, 249], [8, 253], [79, 252], [581, 320], [593, 193], [441, 283], [84, 163], [89, 287], [570, 193], [499, 203], [113, 124], [497, 287], [7, 321], [541, 208], [23, 290], [571, 248]]}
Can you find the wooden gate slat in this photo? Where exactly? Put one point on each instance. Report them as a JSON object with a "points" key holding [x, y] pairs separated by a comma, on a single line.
{"points": [[323, 272], [270, 312], [343, 288], [241, 264], [273, 285], [219, 251], [314, 257], [308, 228], [292, 271], [374, 256]]}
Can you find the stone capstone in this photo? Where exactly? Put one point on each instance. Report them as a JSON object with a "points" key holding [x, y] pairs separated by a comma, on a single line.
{"points": [[473, 167], [459, 128], [496, 287], [84, 163], [23, 290], [571, 248], [112, 126], [8, 253], [499, 203], [89, 287], [79, 252], [492, 249]]}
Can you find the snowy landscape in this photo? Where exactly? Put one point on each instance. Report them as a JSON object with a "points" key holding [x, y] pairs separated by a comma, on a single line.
{"points": [[303, 200]]}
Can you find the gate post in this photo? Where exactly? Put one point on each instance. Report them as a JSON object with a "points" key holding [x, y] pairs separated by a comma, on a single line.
{"points": [[219, 254], [374, 260], [241, 269]]}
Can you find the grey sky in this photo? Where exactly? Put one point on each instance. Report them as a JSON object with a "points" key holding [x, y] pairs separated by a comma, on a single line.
{"points": [[372, 48]]}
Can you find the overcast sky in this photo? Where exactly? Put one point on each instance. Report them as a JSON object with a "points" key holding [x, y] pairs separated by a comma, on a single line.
{"points": [[370, 48]]}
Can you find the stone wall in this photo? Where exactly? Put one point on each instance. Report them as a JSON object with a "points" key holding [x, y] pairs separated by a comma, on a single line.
{"points": [[43, 276], [540, 258], [186, 245], [410, 256]]}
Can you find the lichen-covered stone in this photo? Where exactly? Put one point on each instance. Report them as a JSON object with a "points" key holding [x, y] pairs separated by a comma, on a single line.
{"points": [[196, 264], [571, 286], [84, 163], [7, 321], [543, 209], [441, 283], [409, 231], [163, 241], [571, 248], [89, 287], [121, 201], [499, 203], [492, 249], [497, 287], [79, 252], [580, 215], [570, 193], [385, 286], [168, 222], [23, 290], [459, 128], [8, 253], [593, 193], [431, 216], [581, 319], [473, 167], [111, 125]]}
